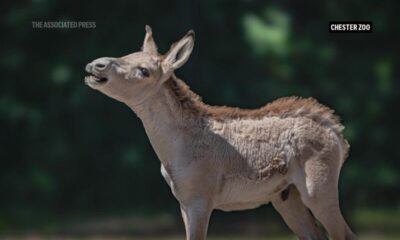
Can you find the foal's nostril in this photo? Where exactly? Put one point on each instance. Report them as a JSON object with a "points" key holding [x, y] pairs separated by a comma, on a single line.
{"points": [[100, 65]]}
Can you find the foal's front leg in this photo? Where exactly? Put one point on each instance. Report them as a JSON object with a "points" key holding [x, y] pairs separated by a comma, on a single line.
{"points": [[196, 215]]}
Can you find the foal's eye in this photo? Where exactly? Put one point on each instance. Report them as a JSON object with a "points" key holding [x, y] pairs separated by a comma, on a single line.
{"points": [[145, 72]]}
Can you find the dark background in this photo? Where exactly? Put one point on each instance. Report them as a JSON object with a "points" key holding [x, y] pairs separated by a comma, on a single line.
{"points": [[69, 154]]}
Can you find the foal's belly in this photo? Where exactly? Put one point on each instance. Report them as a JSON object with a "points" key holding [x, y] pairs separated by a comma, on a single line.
{"points": [[241, 194]]}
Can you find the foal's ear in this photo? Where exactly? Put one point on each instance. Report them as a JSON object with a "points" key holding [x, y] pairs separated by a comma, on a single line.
{"points": [[179, 53], [149, 46]]}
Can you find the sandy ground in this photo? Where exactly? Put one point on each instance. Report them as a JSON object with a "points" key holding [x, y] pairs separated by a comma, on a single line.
{"points": [[37, 237]]}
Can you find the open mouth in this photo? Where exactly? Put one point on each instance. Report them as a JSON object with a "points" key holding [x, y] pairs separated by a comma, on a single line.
{"points": [[95, 79]]}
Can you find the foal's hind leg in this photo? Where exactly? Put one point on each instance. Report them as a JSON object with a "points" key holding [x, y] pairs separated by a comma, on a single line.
{"points": [[319, 192], [297, 216]]}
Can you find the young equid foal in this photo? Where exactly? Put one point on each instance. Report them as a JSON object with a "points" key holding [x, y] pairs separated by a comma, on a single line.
{"points": [[288, 152]]}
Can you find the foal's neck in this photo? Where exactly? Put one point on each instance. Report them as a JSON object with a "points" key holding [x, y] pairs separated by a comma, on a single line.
{"points": [[167, 125]]}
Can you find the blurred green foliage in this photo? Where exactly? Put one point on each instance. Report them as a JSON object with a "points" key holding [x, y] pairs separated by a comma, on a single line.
{"points": [[66, 149]]}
